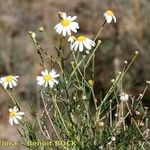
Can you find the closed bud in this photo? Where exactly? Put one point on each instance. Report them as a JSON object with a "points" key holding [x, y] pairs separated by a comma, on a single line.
{"points": [[91, 82], [41, 29]]}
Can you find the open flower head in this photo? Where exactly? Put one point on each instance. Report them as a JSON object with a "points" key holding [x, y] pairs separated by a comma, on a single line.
{"points": [[109, 16], [15, 115], [9, 81], [81, 43], [66, 25], [124, 97], [48, 78]]}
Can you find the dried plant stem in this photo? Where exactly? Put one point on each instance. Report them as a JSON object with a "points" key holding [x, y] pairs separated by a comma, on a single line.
{"points": [[47, 113], [122, 116], [42, 129], [143, 93], [137, 125]]}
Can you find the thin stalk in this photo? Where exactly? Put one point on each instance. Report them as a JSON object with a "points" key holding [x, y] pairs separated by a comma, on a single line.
{"points": [[86, 65], [54, 45], [76, 67], [93, 58], [60, 115], [137, 126], [38, 119], [13, 98], [110, 109], [120, 76], [99, 31], [123, 120], [47, 113]]}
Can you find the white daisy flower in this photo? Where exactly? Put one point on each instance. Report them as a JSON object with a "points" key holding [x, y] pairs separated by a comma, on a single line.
{"points": [[82, 42], [109, 16], [47, 78], [124, 97], [9, 81], [14, 115], [67, 25]]}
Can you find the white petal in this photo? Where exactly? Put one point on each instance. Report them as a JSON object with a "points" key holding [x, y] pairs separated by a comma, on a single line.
{"points": [[73, 45], [64, 32], [10, 110], [16, 77], [46, 72], [109, 19], [56, 76], [60, 29], [2, 79], [11, 121], [92, 43], [18, 117], [73, 18], [38, 78], [5, 84], [54, 80], [75, 25], [53, 72], [16, 120], [56, 26], [114, 19], [10, 85], [68, 18], [87, 45], [74, 29], [77, 46], [68, 31], [14, 83], [15, 109], [81, 47], [51, 84], [64, 16], [20, 113], [43, 73], [46, 84], [40, 82]]}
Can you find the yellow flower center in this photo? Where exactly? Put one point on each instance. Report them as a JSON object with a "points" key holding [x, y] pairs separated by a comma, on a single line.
{"points": [[9, 78], [110, 13], [12, 114], [48, 77], [81, 38], [65, 23]]}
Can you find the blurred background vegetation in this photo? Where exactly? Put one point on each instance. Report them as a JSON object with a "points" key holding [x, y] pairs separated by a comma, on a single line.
{"points": [[119, 41]]}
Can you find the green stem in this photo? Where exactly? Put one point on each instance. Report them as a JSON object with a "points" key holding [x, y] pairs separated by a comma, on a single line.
{"points": [[60, 115], [13, 98], [120, 76], [99, 31]]}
